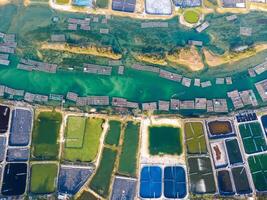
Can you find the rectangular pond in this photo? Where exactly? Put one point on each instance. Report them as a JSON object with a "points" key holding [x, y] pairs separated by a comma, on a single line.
{"points": [[151, 182], [195, 138], [4, 118], [219, 154], [14, 180], [252, 137], [224, 183], [258, 168], [241, 181], [175, 182], [201, 175], [233, 151], [18, 154], [21, 127], [123, 188], [220, 129]]}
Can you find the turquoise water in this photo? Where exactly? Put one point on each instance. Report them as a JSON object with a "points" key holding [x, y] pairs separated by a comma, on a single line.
{"points": [[33, 24]]}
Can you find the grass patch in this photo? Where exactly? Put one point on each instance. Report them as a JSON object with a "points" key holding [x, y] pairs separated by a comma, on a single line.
{"points": [[114, 132], [165, 140], [45, 135], [195, 138], [62, 1], [191, 16], [75, 132], [102, 3], [128, 158], [102, 179], [43, 178], [88, 151]]}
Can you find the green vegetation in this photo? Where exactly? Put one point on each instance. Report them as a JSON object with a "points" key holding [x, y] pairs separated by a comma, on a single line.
{"points": [[191, 16], [252, 137], [165, 140], [102, 179], [75, 132], [102, 3], [128, 157], [195, 138], [43, 178], [62, 1], [45, 135], [114, 132], [90, 141]]}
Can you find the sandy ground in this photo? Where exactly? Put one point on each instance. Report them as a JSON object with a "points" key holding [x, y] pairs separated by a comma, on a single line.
{"points": [[145, 157], [187, 57], [4, 2], [216, 60], [90, 50]]}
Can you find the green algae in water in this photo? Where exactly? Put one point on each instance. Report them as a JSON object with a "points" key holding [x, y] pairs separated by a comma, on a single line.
{"points": [[165, 140]]}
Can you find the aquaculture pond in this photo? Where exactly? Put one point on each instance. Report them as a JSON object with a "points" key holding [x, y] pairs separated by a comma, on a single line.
{"points": [[258, 167], [224, 183], [233, 151], [175, 182], [201, 175], [220, 129], [150, 182], [21, 127], [195, 138], [14, 179], [252, 137], [114, 132], [4, 118], [165, 140], [45, 135], [241, 181]]}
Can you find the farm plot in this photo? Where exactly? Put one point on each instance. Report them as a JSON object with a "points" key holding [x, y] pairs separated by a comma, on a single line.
{"points": [[195, 138], [4, 118], [201, 176], [128, 157], [241, 180], [102, 179], [114, 132], [21, 127], [45, 144], [233, 151], [71, 179], [165, 140], [258, 169], [252, 137], [86, 195], [220, 129], [43, 178], [82, 139]]}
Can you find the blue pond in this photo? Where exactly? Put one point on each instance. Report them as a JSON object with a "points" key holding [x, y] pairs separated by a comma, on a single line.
{"points": [[264, 123], [151, 182], [88, 3], [174, 182]]}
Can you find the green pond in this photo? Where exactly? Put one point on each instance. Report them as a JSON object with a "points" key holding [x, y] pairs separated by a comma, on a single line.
{"points": [[165, 140], [34, 24]]}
